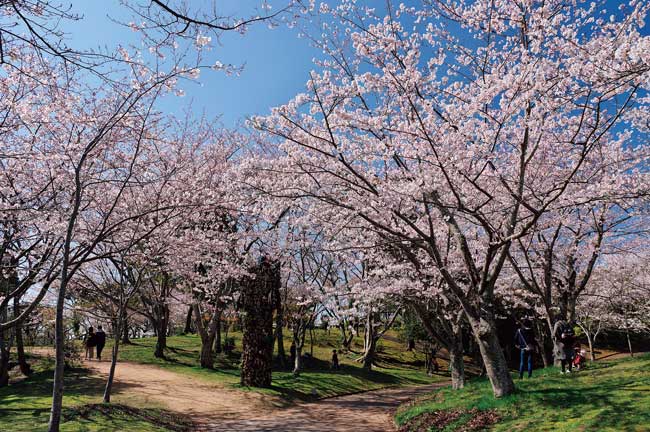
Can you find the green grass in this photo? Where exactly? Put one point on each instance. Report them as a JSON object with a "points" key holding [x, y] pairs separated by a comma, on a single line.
{"points": [[607, 396], [395, 367], [25, 406]]}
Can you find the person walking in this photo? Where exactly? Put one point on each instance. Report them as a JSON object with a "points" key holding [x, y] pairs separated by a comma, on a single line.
{"points": [[525, 342], [90, 341], [100, 337]]}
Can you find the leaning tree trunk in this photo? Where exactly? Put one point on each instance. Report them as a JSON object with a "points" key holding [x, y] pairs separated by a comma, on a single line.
{"points": [[496, 367], [256, 305], [370, 343], [119, 329]]}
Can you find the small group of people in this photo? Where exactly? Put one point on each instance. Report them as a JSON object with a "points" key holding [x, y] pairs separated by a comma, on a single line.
{"points": [[566, 348], [95, 341]]}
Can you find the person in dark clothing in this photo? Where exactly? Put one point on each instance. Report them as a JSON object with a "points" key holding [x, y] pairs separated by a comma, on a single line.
{"points": [[335, 360], [292, 353], [564, 340], [100, 337], [525, 342], [90, 341]]}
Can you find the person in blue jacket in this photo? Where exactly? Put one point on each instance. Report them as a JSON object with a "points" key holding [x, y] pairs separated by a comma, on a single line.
{"points": [[525, 343]]}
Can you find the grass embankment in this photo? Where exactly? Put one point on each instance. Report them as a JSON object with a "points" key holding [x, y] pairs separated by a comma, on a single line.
{"points": [[607, 396], [394, 366], [25, 406]]}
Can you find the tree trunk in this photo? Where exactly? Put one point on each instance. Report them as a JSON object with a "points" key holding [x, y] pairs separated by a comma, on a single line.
{"points": [[456, 361], [188, 322], [161, 331], [59, 357], [592, 357], [256, 304], [207, 335], [119, 330], [629, 342], [25, 368], [125, 332], [496, 367], [217, 339], [369, 343], [297, 363], [4, 361], [457, 366], [311, 341], [279, 325]]}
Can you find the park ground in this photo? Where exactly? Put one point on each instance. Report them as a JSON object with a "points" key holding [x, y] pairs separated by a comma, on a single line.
{"points": [[609, 395], [174, 394]]}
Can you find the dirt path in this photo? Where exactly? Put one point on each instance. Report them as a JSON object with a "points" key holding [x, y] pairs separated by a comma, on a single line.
{"points": [[220, 408], [368, 412]]}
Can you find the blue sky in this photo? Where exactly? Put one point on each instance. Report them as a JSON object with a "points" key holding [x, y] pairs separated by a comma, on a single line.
{"points": [[277, 62]]}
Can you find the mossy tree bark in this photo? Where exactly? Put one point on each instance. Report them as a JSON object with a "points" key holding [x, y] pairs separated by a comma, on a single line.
{"points": [[256, 304]]}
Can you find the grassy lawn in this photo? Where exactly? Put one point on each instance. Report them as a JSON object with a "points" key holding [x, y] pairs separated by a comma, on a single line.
{"points": [[395, 367], [25, 406], [608, 396]]}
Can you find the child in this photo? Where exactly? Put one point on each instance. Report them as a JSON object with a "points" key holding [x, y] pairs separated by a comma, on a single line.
{"points": [[579, 360], [335, 360]]}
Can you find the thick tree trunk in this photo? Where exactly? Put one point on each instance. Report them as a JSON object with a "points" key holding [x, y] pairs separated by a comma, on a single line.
{"points": [[207, 335], [457, 366], [456, 361], [496, 367], [256, 304], [161, 331], [161, 341], [207, 355]]}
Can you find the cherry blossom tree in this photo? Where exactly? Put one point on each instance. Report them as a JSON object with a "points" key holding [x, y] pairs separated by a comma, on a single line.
{"points": [[412, 131]]}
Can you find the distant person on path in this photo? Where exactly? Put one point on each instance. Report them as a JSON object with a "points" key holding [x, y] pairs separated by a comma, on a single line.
{"points": [[335, 360], [100, 337], [563, 341], [90, 342], [525, 342]]}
